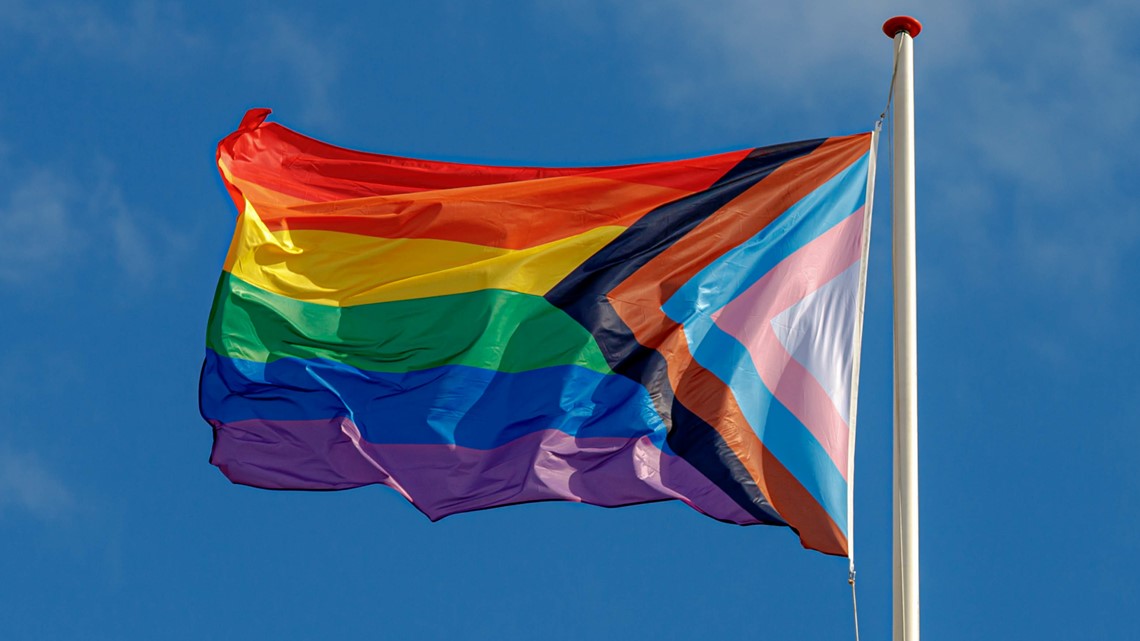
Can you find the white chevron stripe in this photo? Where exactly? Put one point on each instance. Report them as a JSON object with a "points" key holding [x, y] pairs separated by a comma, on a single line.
{"points": [[819, 332]]}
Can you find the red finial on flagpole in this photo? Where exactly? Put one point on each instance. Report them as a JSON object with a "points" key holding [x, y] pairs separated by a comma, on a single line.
{"points": [[902, 23]]}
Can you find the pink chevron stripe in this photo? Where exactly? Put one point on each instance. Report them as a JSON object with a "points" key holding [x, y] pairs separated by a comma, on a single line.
{"points": [[748, 319]]}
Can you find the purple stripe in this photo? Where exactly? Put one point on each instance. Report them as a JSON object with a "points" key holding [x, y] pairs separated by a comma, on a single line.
{"points": [[446, 479], [293, 455]]}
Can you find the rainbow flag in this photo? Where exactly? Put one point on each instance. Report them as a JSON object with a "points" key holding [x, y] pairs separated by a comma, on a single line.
{"points": [[475, 336]]}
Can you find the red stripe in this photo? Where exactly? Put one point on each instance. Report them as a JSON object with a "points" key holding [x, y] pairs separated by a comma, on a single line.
{"points": [[296, 165]]}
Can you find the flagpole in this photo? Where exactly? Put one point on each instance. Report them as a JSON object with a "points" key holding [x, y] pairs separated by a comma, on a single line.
{"points": [[903, 29]]}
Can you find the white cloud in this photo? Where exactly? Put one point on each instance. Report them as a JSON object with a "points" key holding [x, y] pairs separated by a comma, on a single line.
{"points": [[46, 228], [1047, 128], [782, 55], [145, 248], [27, 484], [37, 228], [134, 249], [146, 33], [285, 47]]}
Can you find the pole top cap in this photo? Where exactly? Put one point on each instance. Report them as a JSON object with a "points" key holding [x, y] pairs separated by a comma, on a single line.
{"points": [[898, 24]]}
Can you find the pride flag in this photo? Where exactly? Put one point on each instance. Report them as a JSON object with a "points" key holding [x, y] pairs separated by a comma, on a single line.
{"points": [[475, 336]]}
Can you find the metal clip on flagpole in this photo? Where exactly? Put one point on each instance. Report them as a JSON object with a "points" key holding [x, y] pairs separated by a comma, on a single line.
{"points": [[903, 29]]}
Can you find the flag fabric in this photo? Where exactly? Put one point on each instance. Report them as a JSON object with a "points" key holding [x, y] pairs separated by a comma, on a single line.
{"points": [[476, 336]]}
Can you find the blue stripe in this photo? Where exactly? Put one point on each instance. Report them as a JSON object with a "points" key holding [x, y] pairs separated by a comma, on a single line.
{"points": [[780, 431], [454, 404], [727, 277]]}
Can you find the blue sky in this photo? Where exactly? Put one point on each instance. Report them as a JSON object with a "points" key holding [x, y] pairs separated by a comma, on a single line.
{"points": [[114, 224]]}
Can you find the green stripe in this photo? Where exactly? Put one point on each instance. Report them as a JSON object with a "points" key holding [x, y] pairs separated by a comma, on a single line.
{"points": [[491, 328]]}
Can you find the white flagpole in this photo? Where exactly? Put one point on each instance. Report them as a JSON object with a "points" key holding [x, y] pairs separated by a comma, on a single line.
{"points": [[903, 29]]}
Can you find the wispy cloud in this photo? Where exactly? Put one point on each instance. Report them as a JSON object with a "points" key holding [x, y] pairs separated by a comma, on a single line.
{"points": [[142, 33], [28, 485], [736, 55], [37, 228], [52, 220], [1045, 129], [134, 250], [291, 49], [147, 250], [299, 59]]}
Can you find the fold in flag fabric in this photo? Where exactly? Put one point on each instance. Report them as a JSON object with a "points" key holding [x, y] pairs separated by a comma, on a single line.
{"points": [[476, 336]]}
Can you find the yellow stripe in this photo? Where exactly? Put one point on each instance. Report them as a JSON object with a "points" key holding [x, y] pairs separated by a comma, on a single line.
{"points": [[334, 268]]}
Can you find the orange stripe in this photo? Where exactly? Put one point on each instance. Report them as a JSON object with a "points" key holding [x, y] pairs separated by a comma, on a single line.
{"points": [[258, 193], [510, 216], [799, 508]]}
